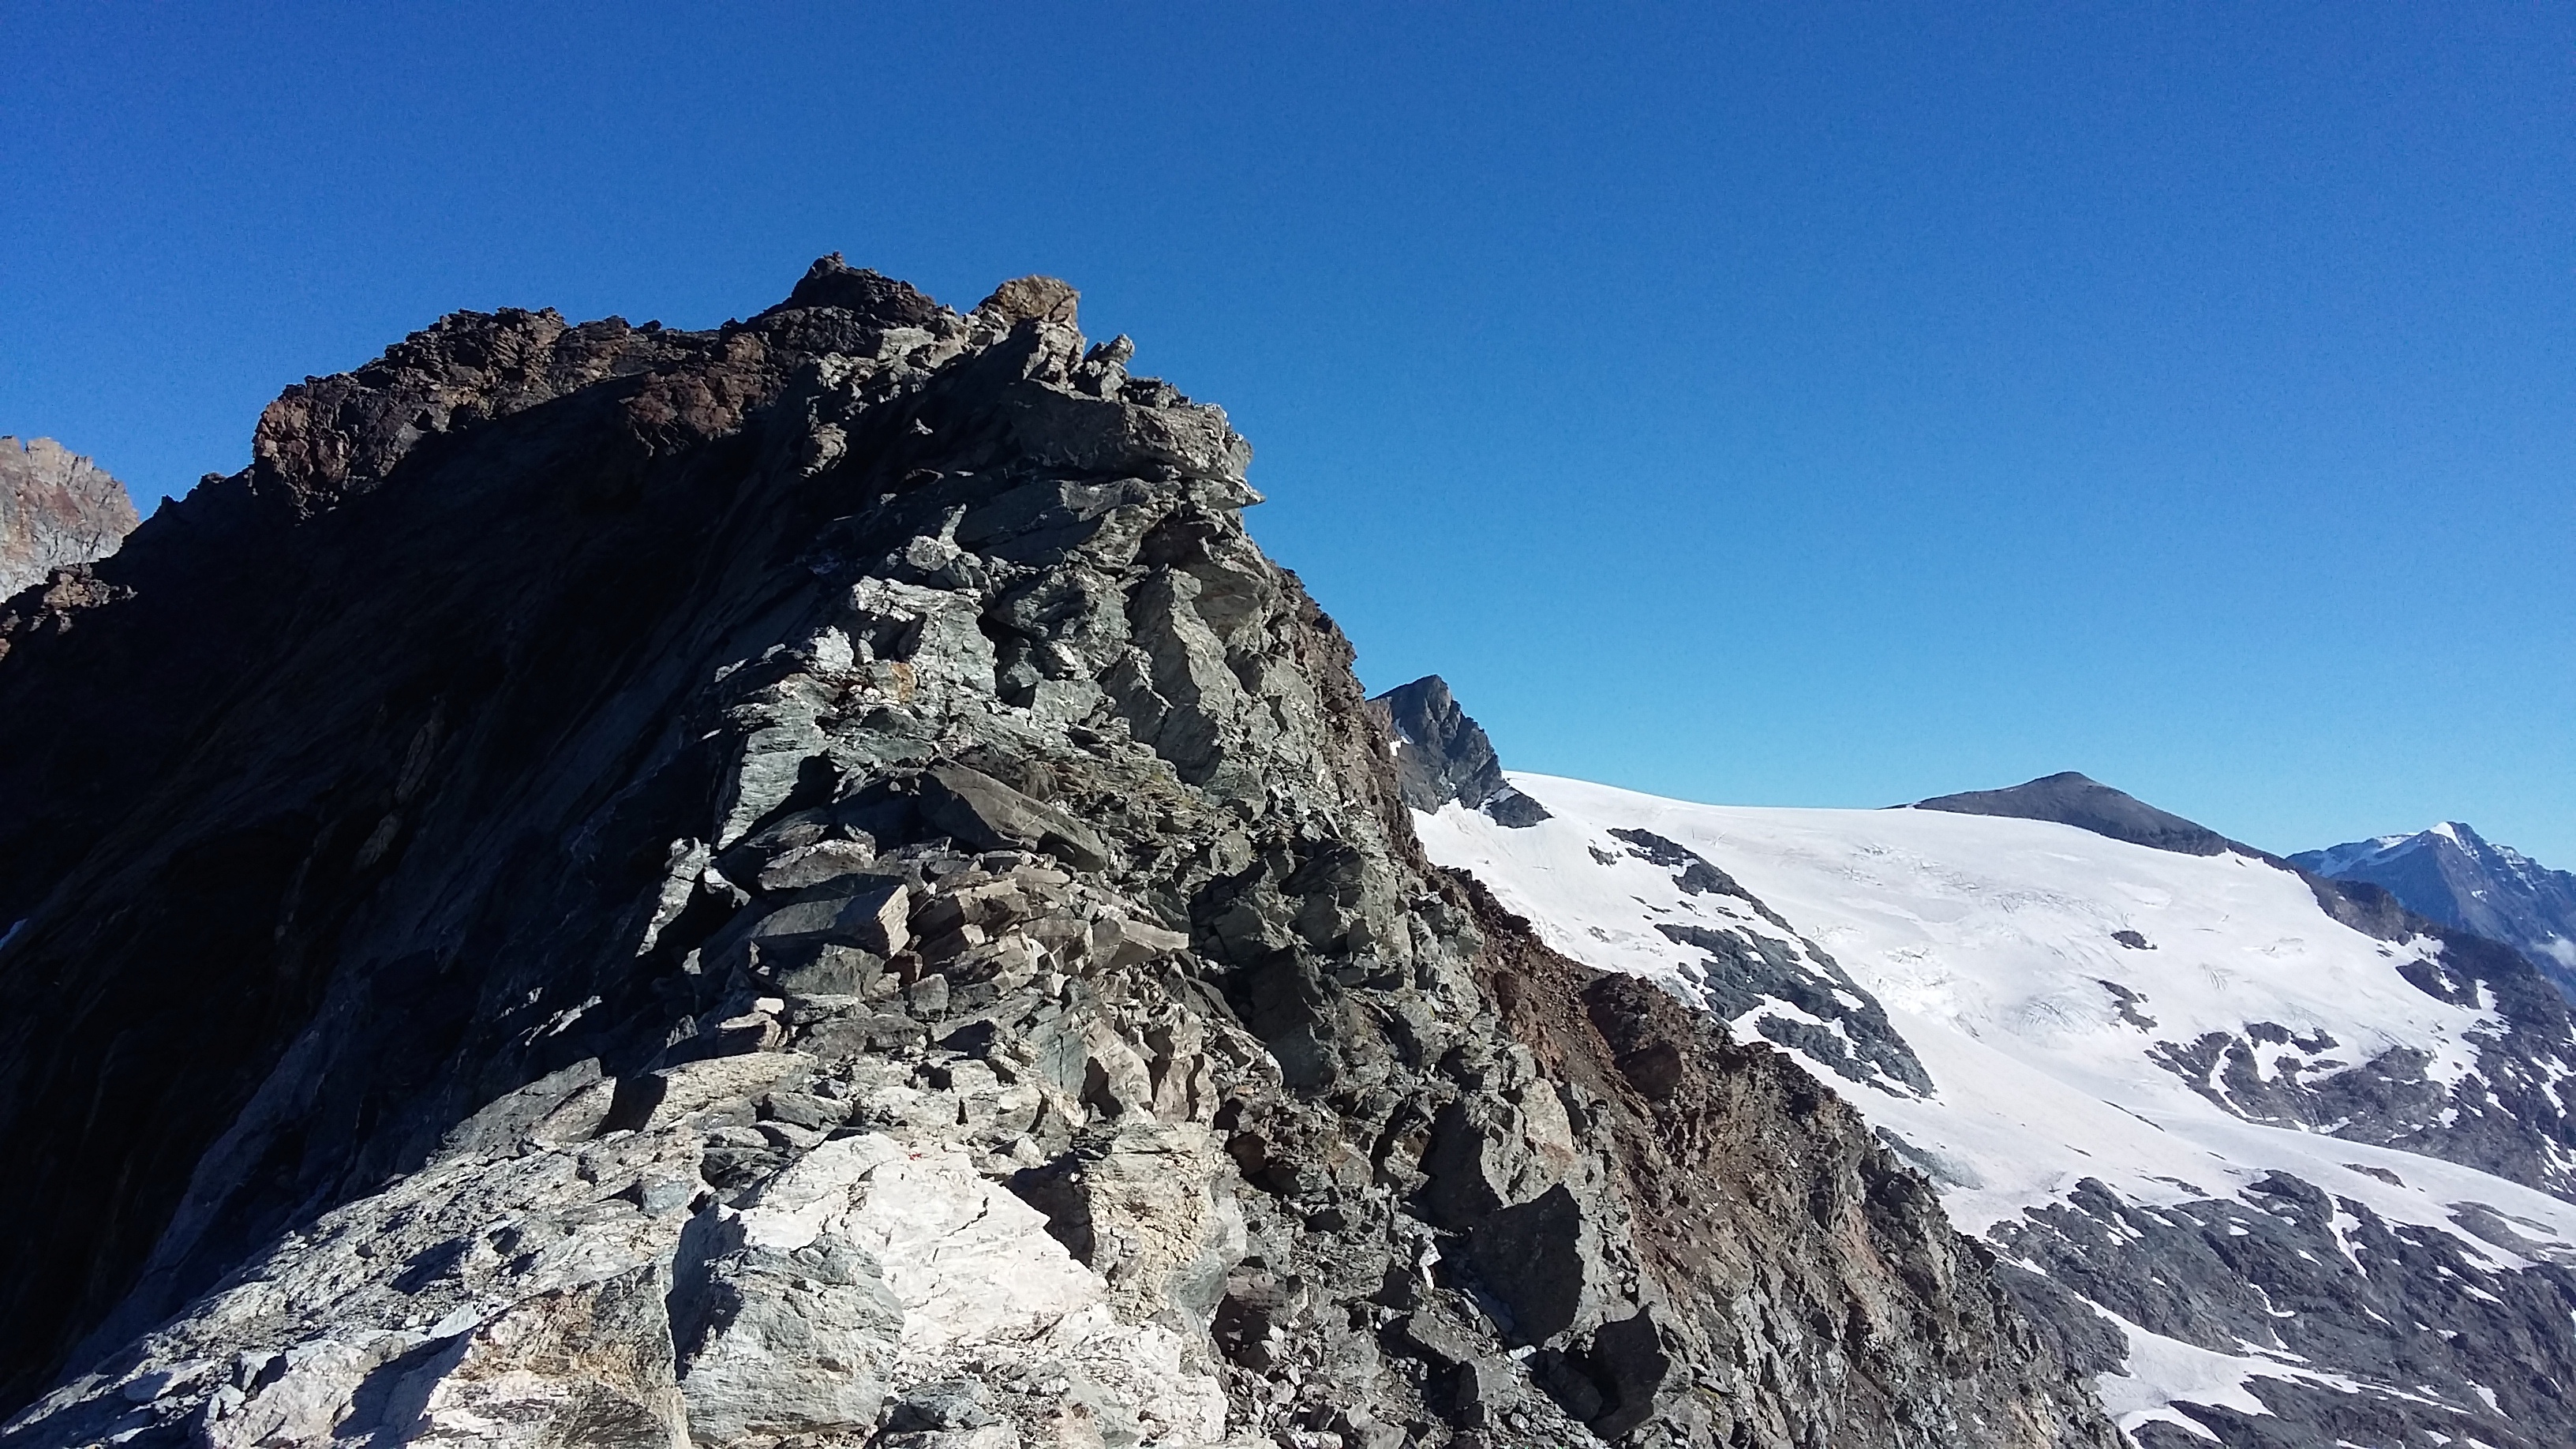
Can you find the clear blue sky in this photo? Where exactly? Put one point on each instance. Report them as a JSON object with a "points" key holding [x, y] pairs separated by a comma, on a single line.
{"points": [[1794, 404]]}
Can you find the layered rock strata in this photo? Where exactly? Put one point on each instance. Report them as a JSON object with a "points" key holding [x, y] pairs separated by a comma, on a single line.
{"points": [[808, 883]]}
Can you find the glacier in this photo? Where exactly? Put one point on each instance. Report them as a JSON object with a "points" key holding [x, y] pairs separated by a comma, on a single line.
{"points": [[2115, 1043]]}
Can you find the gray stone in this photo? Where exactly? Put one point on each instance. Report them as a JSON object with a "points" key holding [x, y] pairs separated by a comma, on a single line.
{"points": [[1480, 1389], [1630, 1359], [587, 1365], [773, 1342], [57, 510], [662, 1097], [831, 970], [1433, 1340], [507, 1122], [814, 864], [927, 999], [982, 812], [1542, 1259], [871, 917]]}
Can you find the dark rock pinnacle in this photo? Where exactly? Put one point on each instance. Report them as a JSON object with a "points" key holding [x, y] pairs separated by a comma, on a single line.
{"points": [[1442, 755]]}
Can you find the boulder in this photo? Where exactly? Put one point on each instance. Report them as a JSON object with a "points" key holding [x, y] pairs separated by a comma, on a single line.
{"points": [[775, 1340], [982, 812], [867, 913], [586, 1365]]}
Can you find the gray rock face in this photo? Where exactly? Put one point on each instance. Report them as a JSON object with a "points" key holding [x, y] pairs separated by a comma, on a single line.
{"points": [[2452, 875], [2485, 1350], [1746, 977], [808, 883], [2087, 804], [773, 1341], [58, 510], [1442, 755]]}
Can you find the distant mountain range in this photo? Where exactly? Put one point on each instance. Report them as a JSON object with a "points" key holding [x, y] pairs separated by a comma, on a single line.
{"points": [[2452, 875]]}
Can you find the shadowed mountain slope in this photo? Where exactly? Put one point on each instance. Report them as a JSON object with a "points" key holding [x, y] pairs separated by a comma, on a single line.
{"points": [[2453, 875]]}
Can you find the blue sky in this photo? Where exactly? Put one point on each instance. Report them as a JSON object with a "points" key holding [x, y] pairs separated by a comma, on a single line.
{"points": [[1786, 404]]}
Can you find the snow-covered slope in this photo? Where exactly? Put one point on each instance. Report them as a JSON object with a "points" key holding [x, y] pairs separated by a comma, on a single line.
{"points": [[2197, 1110]]}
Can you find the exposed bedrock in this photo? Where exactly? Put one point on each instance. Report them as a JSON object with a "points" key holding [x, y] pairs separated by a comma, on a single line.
{"points": [[807, 882], [58, 511]]}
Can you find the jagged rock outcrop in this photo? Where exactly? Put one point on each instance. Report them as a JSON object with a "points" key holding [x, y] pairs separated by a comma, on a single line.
{"points": [[807, 882], [1442, 755], [58, 510]]}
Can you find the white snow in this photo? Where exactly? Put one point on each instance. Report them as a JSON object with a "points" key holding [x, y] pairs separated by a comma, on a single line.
{"points": [[1989, 943], [2165, 1370]]}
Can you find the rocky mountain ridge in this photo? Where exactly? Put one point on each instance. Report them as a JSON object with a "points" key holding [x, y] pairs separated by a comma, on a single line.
{"points": [[2452, 875], [807, 883], [58, 510]]}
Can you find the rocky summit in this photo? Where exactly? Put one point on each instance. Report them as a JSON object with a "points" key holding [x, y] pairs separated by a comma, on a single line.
{"points": [[807, 883], [58, 510], [1442, 755]]}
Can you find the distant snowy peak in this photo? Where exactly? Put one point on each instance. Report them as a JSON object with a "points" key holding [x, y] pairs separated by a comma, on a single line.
{"points": [[2453, 875], [2088, 804]]}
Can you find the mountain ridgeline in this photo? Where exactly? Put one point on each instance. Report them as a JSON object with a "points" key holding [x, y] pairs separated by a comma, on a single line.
{"points": [[807, 883], [2452, 875], [2069, 798]]}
